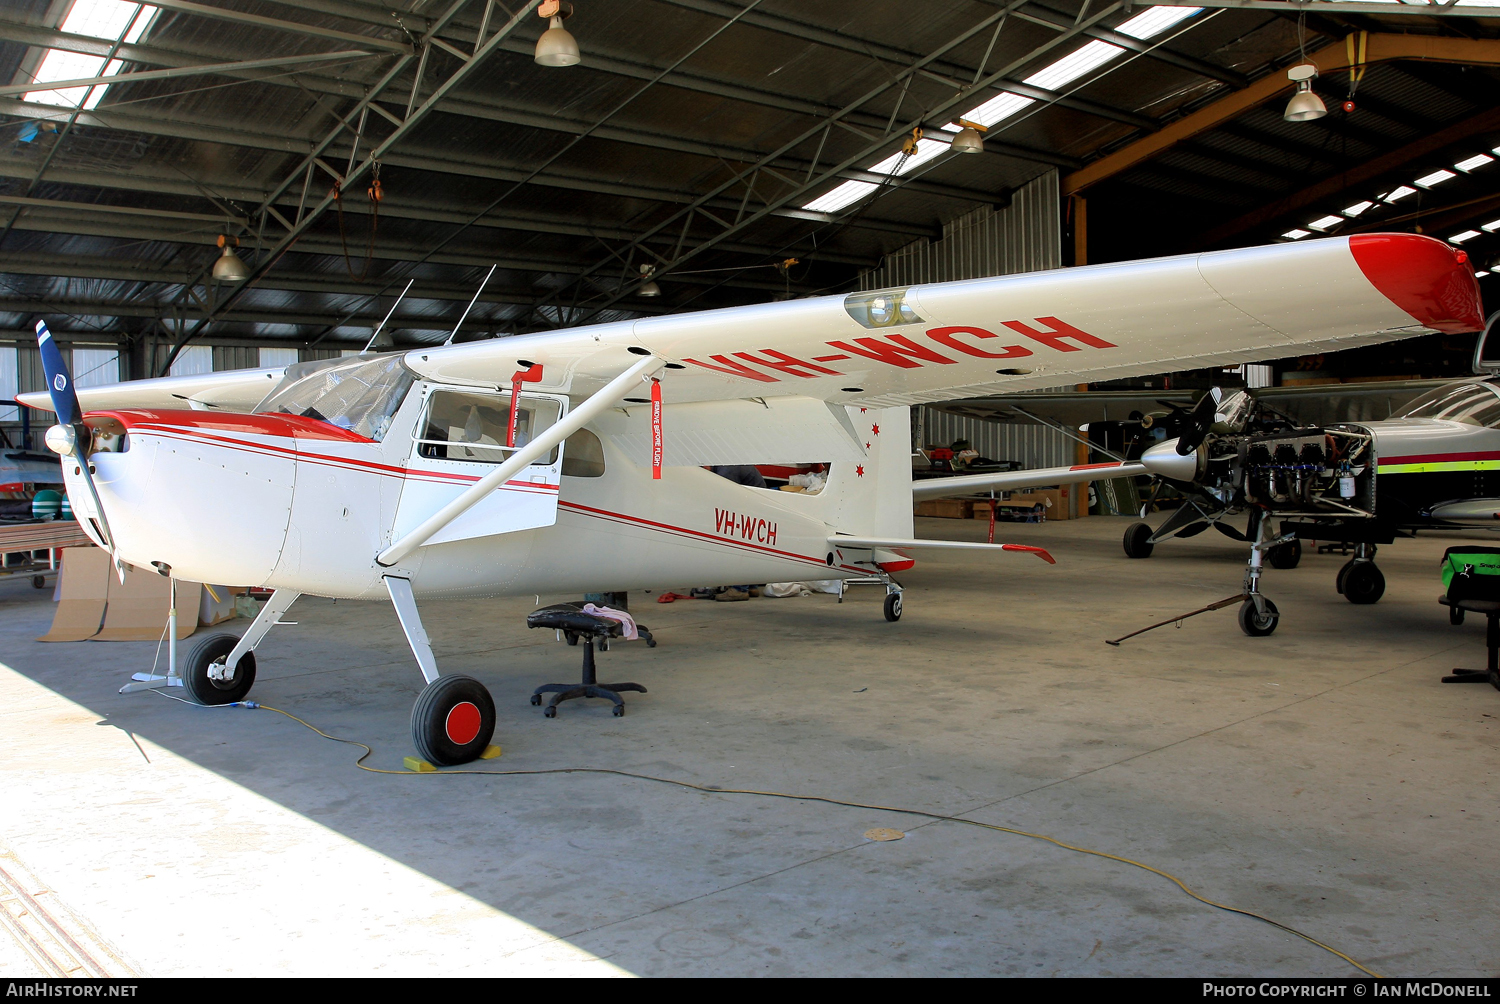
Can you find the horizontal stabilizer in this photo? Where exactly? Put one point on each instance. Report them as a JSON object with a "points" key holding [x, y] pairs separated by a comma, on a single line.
{"points": [[894, 543], [1006, 481]]}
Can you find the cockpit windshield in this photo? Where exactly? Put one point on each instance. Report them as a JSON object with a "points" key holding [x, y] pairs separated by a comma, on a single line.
{"points": [[1471, 403], [360, 395]]}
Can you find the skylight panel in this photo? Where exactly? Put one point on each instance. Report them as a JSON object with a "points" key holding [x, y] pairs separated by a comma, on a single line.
{"points": [[1491, 226], [1480, 275], [1435, 178], [107, 19], [1155, 20], [1357, 208], [1466, 235], [1296, 235], [1002, 106], [1325, 222], [1400, 192], [1478, 160], [1074, 65], [846, 194]]}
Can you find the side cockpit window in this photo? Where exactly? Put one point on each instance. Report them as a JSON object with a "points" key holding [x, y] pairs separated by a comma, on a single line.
{"points": [[475, 427]]}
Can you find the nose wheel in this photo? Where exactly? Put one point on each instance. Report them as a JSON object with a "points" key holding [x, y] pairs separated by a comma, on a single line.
{"points": [[893, 606], [453, 720]]}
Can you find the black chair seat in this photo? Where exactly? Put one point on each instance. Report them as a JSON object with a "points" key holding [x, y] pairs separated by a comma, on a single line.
{"points": [[1477, 606], [570, 617]]}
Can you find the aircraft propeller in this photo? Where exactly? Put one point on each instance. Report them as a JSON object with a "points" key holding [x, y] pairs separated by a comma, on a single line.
{"points": [[70, 436], [1197, 423]]}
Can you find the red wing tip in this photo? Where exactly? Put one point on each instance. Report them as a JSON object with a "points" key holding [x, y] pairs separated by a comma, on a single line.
{"points": [[1430, 280], [1040, 552]]}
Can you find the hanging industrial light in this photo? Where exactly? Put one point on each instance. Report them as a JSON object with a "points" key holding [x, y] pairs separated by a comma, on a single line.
{"points": [[967, 139], [556, 47], [649, 286], [1305, 105], [230, 267]]}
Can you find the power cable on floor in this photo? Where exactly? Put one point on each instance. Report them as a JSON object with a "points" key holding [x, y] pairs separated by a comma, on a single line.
{"points": [[369, 751]]}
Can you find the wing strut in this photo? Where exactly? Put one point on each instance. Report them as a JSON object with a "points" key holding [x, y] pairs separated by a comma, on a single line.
{"points": [[601, 401]]}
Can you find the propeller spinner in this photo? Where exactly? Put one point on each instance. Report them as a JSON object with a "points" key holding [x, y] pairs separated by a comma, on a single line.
{"points": [[69, 437]]}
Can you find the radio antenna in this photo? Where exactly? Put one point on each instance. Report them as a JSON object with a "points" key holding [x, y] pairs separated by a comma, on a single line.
{"points": [[371, 343], [454, 333]]}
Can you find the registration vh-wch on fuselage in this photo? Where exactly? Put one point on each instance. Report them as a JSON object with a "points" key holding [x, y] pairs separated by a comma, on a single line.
{"points": [[573, 460]]}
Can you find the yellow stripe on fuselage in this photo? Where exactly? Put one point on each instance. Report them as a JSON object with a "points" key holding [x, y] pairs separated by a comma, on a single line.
{"points": [[1434, 468]]}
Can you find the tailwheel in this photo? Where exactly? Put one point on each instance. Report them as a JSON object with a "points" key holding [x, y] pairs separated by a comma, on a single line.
{"points": [[453, 720], [1138, 540], [893, 606], [1363, 582], [1257, 624], [204, 678]]}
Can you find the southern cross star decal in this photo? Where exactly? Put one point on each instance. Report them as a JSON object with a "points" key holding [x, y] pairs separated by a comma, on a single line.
{"points": [[860, 470], [875, 429]]}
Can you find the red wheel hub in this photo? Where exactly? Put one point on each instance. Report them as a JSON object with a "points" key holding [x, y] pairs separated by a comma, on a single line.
{"points": [[462, 723]]}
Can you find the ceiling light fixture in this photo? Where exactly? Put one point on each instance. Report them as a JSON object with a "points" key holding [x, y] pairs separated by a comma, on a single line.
{"points": [[648, 285], [556, 47], [230, 267], [1435, 178], [968, 139], [1305, 105]]}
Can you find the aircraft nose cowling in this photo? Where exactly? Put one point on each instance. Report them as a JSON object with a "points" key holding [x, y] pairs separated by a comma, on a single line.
{"points": [[1164, 461], [1430, 280]]}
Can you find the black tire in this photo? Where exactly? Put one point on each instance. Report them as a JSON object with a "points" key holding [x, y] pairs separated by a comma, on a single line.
{"points": [[1455, 615], [893, 606], [453, 720], [206, 690], [619, 711], [1287, 555], [1338, 582], [1254, 625], [1364, 583], [38, 582], [1138, 541]]}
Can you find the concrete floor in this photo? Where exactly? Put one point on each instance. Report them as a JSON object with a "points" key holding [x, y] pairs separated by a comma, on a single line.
{"points": [[1322, 776]]}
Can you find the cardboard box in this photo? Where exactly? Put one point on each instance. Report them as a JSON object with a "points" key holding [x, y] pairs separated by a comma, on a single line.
{"points": [[945, 508]]}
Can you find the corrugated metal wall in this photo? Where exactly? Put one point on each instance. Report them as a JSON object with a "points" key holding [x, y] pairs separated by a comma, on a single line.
{"points": [[1025, 236], [1030, 444]]}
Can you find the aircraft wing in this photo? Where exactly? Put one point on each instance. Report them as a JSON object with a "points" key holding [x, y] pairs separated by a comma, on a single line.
{"points": [[230, 390], [949, 341]]}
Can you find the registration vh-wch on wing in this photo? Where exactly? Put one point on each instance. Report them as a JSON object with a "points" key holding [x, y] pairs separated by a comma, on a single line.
{"points": [[572, 460]]}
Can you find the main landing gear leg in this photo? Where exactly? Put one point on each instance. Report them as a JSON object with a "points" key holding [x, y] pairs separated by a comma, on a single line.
{"points": [[454, 716], [1258, 615]]}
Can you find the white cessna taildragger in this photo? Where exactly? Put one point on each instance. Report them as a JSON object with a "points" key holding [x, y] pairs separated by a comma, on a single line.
{"points": [[573, 460]]}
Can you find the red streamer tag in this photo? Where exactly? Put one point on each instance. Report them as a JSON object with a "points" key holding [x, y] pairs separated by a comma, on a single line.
{"points": [[655, 429], [515, 404]]}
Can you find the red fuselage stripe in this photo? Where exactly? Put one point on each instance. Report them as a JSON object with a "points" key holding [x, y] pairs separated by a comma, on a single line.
{"points": [[1441, 458]]}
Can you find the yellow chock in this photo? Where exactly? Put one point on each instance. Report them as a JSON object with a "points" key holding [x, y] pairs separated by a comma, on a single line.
{"points": [[491, 753], [418, 766]]}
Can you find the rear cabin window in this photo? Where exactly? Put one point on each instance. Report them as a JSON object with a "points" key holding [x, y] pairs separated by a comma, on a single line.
{"points": [[473, 427], [583, 456]]}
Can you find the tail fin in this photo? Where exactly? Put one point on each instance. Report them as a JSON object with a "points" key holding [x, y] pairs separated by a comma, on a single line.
{"points": [[872, 497]]}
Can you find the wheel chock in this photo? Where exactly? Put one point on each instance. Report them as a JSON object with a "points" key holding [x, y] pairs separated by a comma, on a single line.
{"points": [[417, 765], [491, 753]]}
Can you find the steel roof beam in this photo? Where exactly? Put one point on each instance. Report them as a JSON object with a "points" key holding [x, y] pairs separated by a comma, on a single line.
{"points": [[1295, 7], [280, 24], [934, 115]]}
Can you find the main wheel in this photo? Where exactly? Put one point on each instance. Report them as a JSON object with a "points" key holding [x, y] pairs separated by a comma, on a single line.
{"points": [[453, 720], [1364, 583], [1138, 540], [212, 651], [1253, 623], [38, 582], [893, 606], [1286, 555]]}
